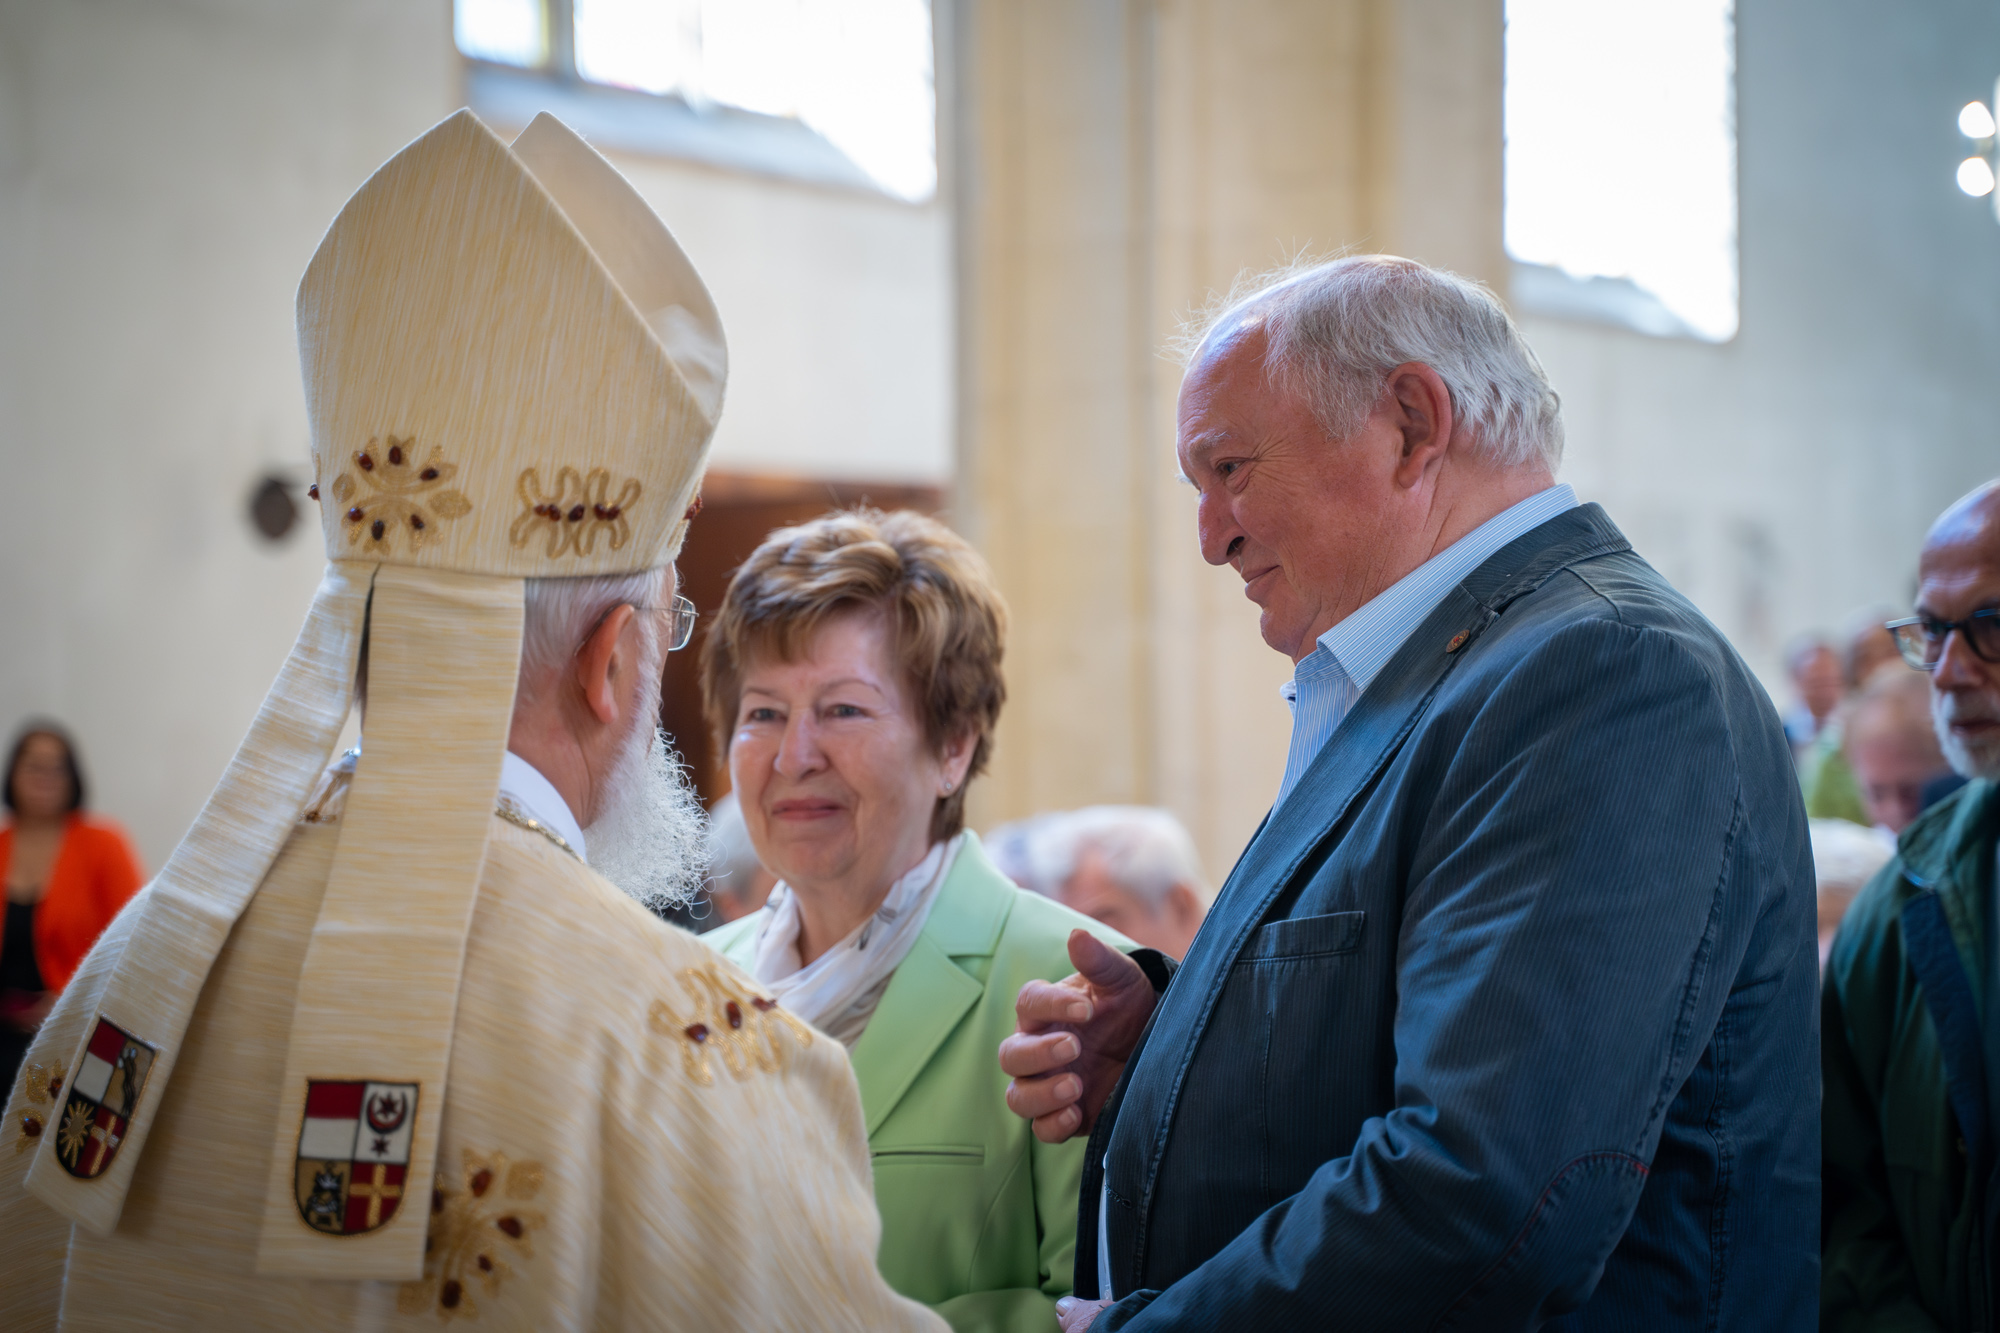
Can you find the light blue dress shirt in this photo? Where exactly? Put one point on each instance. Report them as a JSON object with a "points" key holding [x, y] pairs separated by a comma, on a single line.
{"points": [[1351, 654]]}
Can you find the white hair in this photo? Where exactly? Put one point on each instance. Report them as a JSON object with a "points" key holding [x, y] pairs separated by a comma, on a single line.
{"points": [[1335, 329], [650, 834], [1145, 850], [733, 866], [561, 613]]}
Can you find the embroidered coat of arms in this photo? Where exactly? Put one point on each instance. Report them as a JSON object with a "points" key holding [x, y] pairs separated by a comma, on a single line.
{"points": [[102, 1097], [354, 1152]]}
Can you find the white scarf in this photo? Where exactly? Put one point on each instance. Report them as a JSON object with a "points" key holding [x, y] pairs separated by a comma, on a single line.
{"points": [[838, 992]]}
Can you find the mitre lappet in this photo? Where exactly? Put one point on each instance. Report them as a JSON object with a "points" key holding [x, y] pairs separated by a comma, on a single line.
{"points": [[512, 371]]}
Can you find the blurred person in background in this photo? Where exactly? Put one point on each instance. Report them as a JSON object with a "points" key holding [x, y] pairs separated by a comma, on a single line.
{"points": [[1908, 1133], [1135, 869], [68, 873], [738, 883], [1816, 677], [1825, 776], [1845, 857], [1892, 748], [853, 680], [1015, 849]]}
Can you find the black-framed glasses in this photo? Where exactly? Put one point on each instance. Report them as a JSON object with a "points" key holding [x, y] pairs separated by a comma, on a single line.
{"points": [[1921, 639]]}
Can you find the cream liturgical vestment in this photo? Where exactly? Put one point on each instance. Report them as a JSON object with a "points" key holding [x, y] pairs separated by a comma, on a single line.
{"points": [[368, 1054]]}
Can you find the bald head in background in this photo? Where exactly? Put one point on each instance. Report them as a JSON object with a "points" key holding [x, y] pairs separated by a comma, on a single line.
{"points": [[1957, 577]]}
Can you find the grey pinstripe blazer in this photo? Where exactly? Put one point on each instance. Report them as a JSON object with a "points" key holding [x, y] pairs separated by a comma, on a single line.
{"points": [[1507, 1016]]}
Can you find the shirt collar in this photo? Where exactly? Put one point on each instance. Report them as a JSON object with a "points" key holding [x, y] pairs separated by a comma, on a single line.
{"points": [[524, 784], [1362, 644]]}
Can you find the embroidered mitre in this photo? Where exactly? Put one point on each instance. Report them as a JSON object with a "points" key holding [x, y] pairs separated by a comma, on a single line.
{"points": [[511, 371]]}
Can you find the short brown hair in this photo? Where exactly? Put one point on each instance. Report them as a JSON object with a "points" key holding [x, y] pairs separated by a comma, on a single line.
{"points": [[946, 619]]}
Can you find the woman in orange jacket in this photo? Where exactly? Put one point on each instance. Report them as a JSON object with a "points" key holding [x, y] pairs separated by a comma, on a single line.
{"points": [[67, 875]]}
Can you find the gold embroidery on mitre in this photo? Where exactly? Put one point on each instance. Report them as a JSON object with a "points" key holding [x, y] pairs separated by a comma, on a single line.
{"points": [[386, 492], [573, 516], [748, 1030], [475, 1225], [42, 1084]]}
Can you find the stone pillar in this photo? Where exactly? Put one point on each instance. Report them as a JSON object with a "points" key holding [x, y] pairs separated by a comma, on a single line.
{"points": [[1116, 164]]}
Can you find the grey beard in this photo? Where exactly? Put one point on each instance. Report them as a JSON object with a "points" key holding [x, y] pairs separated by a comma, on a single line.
{"points": [[1968, 761], [651, 838]]}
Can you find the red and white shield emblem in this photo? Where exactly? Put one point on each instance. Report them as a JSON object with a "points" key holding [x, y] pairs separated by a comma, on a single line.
{"points": [[102, 1097], [354, 1152]]}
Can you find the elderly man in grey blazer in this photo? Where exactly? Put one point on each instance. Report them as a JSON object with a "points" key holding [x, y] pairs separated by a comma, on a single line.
{"points": [[1506, 1018]]}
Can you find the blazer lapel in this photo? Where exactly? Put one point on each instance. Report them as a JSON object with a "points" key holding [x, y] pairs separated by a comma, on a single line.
{"points": [[929, 993]]}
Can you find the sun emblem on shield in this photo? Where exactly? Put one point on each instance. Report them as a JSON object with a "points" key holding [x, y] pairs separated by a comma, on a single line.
{"points": [[354, 1154]]}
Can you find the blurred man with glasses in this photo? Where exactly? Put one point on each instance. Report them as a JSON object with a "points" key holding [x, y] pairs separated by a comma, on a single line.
{"points": [[1911, 1044]]}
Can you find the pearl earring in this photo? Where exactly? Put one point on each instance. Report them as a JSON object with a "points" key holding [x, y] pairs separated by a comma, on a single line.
{"points": [[947, 786]]}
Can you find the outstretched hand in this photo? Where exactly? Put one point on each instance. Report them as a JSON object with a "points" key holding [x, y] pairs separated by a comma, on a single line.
{"points": [[1073, 1038]]}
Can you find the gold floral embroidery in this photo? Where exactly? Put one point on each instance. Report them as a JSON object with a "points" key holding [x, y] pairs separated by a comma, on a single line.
{"points": [[474, 1226], [748, 1030], [401, 497], [42, 1084], [575, 513]]}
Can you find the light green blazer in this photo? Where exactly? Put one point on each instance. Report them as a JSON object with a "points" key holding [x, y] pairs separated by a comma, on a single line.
{"points": [[978, 1215]]}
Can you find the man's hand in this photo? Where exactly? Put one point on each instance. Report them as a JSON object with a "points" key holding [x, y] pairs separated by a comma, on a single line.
{"points": [[1075, 1315], [1073, 1039]]}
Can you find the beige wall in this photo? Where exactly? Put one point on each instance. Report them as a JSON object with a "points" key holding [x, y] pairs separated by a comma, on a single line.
{"points": [[166, 168], [1118, 164]]}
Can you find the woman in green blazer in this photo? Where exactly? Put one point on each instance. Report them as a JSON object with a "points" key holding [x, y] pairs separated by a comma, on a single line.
{"points": [[853, 677]]}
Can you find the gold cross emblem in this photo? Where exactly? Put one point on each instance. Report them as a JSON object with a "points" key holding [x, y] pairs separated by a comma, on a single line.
{"points": [[375, 1191], [106, 1141]]}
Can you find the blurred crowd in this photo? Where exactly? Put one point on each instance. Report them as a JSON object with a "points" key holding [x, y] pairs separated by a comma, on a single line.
{"points": [[1868, 755]]}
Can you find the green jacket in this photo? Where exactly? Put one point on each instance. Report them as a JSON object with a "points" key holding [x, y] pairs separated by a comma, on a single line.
{"points": [[1908, 1189], [978, 1215]]}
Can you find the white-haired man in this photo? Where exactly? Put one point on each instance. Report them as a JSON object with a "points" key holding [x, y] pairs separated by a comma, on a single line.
{"points": [[1133, 867], [1910, 1147], [390, 1051], [1506, 1015]]}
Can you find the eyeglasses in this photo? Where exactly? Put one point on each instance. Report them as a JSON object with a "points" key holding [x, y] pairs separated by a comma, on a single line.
{"points": [[680, 626], [1921, 639], [680, 629]]}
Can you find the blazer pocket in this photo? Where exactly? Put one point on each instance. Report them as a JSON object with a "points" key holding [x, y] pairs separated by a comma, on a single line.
{"points": [[930, 1154], [1305, 937]]}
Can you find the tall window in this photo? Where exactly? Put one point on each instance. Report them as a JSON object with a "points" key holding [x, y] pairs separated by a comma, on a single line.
{"points": [[858, 72], [1621, 161]]}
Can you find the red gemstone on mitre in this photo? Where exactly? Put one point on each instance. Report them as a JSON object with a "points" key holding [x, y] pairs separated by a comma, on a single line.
{"points": [[416, 523], [449, 1296], [396, 454], [367, 463], [511, 1225], [482, 1181], [735, 1012], [355, 515], [55, 1086], [693, 509], [698, 1031], [376, 530], [313, 490], [429, 474], [763, 1004], [31, 1126], [576, 514], [485, 1263]]}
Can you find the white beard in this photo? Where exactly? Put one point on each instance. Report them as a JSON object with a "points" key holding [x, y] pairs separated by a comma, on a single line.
{"points": [[651, 837], [1979, 760]]}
